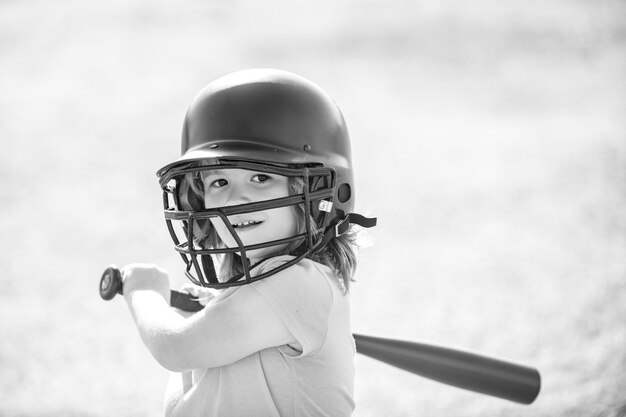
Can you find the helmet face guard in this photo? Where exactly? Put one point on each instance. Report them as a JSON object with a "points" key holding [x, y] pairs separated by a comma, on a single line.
{"points": [[189, 221]]}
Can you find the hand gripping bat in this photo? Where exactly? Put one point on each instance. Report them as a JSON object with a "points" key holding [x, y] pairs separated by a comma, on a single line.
{"points": [[458, 368]]}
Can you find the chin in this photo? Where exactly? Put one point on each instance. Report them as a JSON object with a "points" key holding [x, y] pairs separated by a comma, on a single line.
{"points": [[260, 254]]}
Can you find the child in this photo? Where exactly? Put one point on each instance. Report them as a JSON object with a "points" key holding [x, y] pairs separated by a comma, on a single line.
{"points": [[259, 207]]}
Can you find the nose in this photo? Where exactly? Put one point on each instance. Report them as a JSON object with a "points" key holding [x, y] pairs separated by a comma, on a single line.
{"points": [[237, 194]]}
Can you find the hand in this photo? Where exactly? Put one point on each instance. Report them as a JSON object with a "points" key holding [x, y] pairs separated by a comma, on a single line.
{"points": [[203, 295], [145, 277]]}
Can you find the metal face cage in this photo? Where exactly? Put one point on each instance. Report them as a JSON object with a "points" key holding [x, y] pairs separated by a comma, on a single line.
{"points": [[189, 222]]}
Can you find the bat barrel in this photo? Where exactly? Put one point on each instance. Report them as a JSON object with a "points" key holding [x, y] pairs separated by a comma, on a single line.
{"points": [[461, 369]]}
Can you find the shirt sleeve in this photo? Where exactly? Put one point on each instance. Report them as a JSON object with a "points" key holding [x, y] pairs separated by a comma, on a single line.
{"points": [[302, 298]]}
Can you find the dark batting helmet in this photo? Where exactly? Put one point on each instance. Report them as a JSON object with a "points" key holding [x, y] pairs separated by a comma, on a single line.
{"points": [[261, 120]]}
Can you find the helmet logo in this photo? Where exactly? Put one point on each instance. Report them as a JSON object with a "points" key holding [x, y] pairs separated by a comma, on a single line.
{"points": [[326, 206]]}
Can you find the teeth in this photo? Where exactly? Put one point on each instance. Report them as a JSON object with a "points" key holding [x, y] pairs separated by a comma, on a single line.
{"points": [[244, 224]]}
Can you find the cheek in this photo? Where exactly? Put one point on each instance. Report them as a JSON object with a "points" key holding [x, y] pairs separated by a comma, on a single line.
{"points": [[290, 217], [282, 223], [212, 200]]}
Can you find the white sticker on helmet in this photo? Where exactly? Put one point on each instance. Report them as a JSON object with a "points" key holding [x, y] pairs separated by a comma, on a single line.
{"points": [[326, 206]]}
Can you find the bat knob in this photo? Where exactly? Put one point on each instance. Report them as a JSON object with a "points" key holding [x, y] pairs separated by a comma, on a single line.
{"points": [[110, 283]]}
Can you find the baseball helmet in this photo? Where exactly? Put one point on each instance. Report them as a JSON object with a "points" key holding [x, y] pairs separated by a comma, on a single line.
{"points": [[268, 121]]}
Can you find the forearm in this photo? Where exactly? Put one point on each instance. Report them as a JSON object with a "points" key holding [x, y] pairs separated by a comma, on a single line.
{"points": [[222, 333], [157, 323]]}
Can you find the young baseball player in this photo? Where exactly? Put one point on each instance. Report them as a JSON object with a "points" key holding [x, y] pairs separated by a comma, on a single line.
{"points": [[260, 208]]}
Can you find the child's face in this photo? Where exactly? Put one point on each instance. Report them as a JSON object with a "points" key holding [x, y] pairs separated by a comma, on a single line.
{"points": [[229, 187]]}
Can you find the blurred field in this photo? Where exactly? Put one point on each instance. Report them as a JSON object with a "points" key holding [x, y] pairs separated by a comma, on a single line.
{"points": [[489, 138]]}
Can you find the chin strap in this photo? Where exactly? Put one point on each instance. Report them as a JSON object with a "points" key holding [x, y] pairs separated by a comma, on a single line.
{"points": [[342, 226]]}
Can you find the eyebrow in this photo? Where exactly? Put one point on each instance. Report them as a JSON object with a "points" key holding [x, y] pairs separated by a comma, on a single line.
{"points": [[213, 172]]}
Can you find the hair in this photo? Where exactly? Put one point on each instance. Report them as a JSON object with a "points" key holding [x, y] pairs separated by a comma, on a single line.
{"points": [[339, 253]]}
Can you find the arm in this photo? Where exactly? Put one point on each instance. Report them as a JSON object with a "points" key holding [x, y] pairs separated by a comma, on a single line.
{"points": [[180, 383], [222, 333]]}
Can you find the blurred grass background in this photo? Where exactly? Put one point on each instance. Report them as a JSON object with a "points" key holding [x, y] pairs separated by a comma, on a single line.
{"points": [[489, 138]]}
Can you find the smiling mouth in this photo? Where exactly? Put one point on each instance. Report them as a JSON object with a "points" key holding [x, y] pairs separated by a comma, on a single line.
{"points": [[242, 225]]}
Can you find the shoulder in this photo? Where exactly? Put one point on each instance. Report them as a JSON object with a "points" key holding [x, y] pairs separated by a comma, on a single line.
{"points": [[303, 278], [302, 297]]}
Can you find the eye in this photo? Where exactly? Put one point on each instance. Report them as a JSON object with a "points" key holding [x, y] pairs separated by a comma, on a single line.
{"points": [[218, 183], [261, 178]]}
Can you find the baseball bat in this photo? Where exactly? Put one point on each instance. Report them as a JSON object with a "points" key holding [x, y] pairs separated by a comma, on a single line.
{"points": [[462, 369]]}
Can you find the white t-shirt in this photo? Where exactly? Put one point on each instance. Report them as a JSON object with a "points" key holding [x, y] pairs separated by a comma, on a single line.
{"points": [[284, 381]]}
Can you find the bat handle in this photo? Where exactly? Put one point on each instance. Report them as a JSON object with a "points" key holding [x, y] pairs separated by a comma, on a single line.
{"points": [[111, 285]]}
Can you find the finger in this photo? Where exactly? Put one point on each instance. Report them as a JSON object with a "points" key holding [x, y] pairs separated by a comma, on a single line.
{"points": [[189, 289]]}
